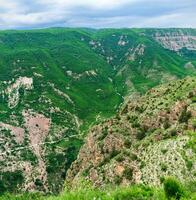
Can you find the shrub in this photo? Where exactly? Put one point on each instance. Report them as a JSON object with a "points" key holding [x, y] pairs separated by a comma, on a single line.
{"points": [[194, 124], [142, 164], [103, 134], [163, 167], [166, 124], [24, 196], [114, 153], [193, 99], [185, 116], [86, 171], [128, 173], [164, 151], [191, 186], [162, 179], [134, 156], [117, 180], [127, 143], [10, 181], [191, 94], [38, 182], [132, 118], [141, 135], [136, 192], [135, 124], [189, 164], [173, 132], [119, 158], [139, 109], [173, 188]]}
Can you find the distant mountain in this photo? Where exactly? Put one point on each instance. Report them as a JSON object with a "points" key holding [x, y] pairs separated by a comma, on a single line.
{"points": [[151, 137], [55, 83]]}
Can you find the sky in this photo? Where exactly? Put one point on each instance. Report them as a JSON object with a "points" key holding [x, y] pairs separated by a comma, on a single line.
{"points": [[29, 14]]}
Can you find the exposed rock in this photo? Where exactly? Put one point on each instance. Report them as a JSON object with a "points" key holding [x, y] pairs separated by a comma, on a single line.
{"points": [[122, 41], [135, 52], [17, 131], [13, 90], [176, 41], [189, 65], [146, 140]]}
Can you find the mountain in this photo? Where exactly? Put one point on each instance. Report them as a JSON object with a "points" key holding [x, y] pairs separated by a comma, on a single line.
{"points": [[56, 83], [151, 137]]}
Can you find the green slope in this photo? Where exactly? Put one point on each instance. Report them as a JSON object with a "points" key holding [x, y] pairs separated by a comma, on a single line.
{"points": [[79, 76]]}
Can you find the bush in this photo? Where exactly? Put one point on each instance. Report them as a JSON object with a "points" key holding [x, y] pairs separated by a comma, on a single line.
{"points": [[136, 192], [127, 143], [128, 173], [193, 99], [194, 124], [119, 158], [191, 94], [133, 156], [140, 135], [166, 124], [173, 132], [164, 151], [173, 188], [103, 134], [24, 196], [135, 124], [114, 153], [189, 164], [163, 167], [185, 116], [117, 180], [10, 181]]}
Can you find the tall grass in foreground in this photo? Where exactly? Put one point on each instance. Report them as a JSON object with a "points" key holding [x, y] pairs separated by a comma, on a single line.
{"points": [[171, 190]]}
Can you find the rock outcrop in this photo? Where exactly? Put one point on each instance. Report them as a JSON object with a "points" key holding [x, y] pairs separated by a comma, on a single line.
{"points": [[152, 136], [176, 40]]}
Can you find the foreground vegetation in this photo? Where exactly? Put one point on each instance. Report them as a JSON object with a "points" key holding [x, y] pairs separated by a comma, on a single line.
{"points": [[171, 189]]}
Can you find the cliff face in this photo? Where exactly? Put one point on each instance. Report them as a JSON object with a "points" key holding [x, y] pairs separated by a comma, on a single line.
{"points": [[151, 136], [177, 42], [29, 137], [174, 39]]}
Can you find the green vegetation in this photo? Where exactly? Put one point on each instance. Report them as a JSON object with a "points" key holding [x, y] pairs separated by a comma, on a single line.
{"points": [[172, 189], [81, 77], [148, 151], [10, 180], [128, 173]]}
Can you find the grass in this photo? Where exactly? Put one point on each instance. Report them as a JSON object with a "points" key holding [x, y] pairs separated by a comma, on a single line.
{"points": [[134, 192]]}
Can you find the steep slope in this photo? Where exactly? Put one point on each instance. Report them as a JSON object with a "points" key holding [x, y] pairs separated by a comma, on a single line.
{"points": [[55, 83], [51, 82], [152, 136], [138, 60], [175, 39]]}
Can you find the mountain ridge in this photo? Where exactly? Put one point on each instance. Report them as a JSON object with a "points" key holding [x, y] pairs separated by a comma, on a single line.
{"points": [[56, 83]]}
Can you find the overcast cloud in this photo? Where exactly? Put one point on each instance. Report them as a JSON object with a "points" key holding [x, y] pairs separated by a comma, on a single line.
{"points": [[26, 14]]}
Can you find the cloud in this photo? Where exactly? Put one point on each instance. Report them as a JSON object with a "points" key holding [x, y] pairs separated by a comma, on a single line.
{"points": [[92, 4], [25, 14]]}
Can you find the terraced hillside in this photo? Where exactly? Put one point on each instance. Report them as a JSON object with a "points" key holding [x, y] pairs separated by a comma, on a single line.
{"points": [[55, 83], [151, 137]]}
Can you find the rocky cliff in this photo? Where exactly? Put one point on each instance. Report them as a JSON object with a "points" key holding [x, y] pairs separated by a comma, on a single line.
{"points": [[176, 40], [152, 136]]}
